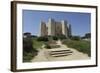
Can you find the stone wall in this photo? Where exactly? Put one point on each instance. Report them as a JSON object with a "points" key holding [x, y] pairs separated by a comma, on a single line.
{"points": [[55, 28]]}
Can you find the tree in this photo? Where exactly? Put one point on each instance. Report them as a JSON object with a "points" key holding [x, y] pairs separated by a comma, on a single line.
{"points": [[55, 38], [88, 35], [29, 51], [42, 39], [75, 38], [61, 37], [28, 45], [27, 34]]}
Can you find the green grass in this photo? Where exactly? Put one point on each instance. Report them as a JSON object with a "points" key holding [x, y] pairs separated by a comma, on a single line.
{"points": [[37, 44], [81, 45]]}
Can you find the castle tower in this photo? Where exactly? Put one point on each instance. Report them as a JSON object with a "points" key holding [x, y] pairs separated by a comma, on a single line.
{"points": [[51, 27], [43, 29], [58, 28], [69, 31], [55, 28], [64, 28]]}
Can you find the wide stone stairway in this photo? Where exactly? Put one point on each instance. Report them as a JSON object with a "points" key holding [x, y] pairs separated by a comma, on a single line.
{"points": [[60, 53]]}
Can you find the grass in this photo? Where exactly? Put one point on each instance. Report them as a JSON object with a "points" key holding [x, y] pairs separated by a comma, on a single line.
{"points": [[81, 45], [37, 44], [51, 44]]}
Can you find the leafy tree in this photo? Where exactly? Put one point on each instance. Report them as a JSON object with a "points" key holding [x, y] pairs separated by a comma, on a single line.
{"points": [[28, 46], [75, 38], [62, 37], [55, 38], [88, 35], [42, 39], [28, 49]]}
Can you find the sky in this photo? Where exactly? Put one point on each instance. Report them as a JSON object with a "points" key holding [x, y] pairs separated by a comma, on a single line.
{"points": [[80, 22]]}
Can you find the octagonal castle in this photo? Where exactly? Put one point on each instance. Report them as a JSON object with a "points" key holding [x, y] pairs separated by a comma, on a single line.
{"points": [[55, 28]]}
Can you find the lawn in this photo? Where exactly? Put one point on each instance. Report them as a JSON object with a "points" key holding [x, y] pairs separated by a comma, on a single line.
{"points": [[37, 44], [80, 45]]}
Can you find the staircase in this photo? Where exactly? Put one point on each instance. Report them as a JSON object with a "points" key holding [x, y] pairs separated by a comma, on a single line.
{"points": [[60, 53]]}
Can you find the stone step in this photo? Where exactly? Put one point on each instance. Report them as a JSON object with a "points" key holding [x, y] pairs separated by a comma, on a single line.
{"points": [[60, 55], [60, 52]]}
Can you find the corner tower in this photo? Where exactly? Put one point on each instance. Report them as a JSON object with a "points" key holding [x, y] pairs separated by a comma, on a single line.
{"points": [[69, 30], [51, 27], [43, 29], [64, 28]]}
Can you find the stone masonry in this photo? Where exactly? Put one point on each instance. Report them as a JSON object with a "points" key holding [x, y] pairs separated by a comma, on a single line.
{"points": [[55, 28]]}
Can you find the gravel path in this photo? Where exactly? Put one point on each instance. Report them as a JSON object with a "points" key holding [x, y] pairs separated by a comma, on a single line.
{"points": [[43, 54]]}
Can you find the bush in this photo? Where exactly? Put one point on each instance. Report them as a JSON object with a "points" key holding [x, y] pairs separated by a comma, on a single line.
{"points": [[75, 38], [42, 39], [28, 50], [61, 37], [47, 46], [27, 45], [27, 57], [55, 38]]}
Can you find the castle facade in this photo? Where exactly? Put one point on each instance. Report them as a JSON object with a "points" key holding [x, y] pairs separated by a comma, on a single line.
{"points": [[55, 28]]}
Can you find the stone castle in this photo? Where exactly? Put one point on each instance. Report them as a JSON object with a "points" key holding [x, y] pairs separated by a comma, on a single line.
{"points": [[55, 28]]}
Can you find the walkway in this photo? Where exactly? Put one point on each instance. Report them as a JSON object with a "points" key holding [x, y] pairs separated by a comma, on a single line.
{"points": [[43, 54]]}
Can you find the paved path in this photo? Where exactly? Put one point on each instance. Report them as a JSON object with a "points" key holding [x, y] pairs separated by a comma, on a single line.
{"points": [[44, 56], [40, 57]]}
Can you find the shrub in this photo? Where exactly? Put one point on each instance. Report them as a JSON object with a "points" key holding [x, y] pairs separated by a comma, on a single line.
{"points": [[55, 38], [27, 57], [42, 39], [47, 46], [28, 50], [61, 37], [27, 45], [75, 38]]}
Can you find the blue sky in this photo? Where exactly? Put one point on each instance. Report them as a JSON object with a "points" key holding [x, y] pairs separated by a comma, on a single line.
{"points": [[80, 22]]}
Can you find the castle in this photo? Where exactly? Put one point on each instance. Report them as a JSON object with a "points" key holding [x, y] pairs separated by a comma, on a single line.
{"points": [[55, 28]]}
